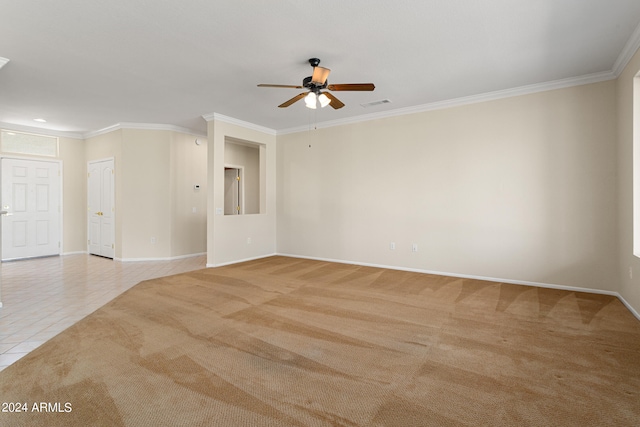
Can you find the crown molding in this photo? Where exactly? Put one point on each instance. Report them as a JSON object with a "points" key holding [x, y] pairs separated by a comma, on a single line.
{"points": [[237, 122], [630, 48], [466, 100], [142, 126], [102, 131]]}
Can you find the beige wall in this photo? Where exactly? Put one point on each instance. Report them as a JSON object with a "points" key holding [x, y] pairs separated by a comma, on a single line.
{"points": [[228, 235], [188, 168], [155, 173], [522, 188], [145, 208], [74, 215], [629, 286]]}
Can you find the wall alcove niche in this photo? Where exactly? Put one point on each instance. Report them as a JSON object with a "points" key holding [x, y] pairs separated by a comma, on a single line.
{"points": [[242, 177]]}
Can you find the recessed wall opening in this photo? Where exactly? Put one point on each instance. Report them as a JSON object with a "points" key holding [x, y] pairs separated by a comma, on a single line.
{"points": [[243, 177]]}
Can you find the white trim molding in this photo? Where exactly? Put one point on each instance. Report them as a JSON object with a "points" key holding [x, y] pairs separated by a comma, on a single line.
{"points": [[630, 48], [143, 126], [242, 260], [75, 253], [173, 258], [237, 122]]}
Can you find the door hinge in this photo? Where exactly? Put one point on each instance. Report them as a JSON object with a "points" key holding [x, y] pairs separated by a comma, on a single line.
{"points": [[88, 175], [238, 208], [237, 178], [112, 246]]}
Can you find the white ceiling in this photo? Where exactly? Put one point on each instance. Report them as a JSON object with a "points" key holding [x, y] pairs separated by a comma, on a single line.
{"points": [[85, 65]]}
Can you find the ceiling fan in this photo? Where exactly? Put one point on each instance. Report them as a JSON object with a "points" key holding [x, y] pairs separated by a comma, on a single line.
{"points": [[315, 84]]}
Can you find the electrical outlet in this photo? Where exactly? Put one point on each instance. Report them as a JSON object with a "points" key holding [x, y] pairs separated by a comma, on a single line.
{"points": [[153, 240], [392, 246], [414, 247], [249, 241]]}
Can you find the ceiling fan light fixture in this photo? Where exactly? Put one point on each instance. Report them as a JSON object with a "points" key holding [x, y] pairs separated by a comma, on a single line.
{"points": [[310, 100], [323, 100]]}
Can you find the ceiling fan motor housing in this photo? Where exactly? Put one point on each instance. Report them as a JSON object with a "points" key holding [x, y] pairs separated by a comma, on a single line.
{"points": [[312, 86]]}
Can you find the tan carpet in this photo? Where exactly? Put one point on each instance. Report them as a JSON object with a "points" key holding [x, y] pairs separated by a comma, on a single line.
{"points": [[283, 341]]}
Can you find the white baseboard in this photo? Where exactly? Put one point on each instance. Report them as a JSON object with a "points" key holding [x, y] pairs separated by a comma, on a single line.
{"points": [[241, 260], [174, 258], [626, 304], [488, 279], [140, 259]]}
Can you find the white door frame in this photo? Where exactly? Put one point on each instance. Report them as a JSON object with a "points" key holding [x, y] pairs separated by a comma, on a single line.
{"points": [[240, 185], [61, 182]]}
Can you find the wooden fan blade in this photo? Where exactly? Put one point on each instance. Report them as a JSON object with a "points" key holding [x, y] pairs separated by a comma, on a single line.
{"points": [[292, 100], [287, 86], [352, 86], [320, 75], [335, 102]]}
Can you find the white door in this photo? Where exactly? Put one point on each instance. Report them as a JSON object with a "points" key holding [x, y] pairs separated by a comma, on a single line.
{"points": [[101, 209], [31, 197]]}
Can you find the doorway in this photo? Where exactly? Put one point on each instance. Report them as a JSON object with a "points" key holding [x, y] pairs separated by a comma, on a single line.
{"points": [[101, 208], [233, 191], [30, 195]]}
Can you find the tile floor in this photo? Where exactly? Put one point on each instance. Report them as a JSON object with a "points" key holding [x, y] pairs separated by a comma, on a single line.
{"points": [[44, 296]]}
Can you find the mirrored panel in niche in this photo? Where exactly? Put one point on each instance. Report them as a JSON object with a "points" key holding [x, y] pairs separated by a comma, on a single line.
{"points": [[242, 177]]}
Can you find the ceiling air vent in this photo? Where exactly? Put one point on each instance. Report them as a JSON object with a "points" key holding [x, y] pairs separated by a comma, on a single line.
{"points": [[371, 104]]}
